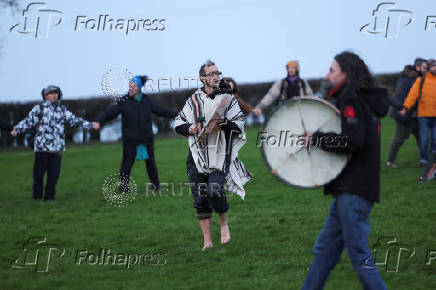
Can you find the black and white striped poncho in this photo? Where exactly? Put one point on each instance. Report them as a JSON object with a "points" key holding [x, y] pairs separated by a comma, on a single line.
{"points": [[210, 155]]}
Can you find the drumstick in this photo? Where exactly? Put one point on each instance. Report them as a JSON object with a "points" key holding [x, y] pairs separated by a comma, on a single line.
{"points": [[325, 124], [308, 147], [275, 170], [302, 124]]}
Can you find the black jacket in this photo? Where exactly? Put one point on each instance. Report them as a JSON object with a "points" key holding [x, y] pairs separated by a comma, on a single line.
{"points": [[136, 118], [360, 137], [405, 81]]}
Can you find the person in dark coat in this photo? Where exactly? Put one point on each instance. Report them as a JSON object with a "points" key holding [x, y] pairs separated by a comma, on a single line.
{"points": [[357, 187], [404, 125], [137, 134]]}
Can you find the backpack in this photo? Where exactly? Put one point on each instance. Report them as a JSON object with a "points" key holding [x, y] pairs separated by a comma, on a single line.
{"points": [[282, 87]]}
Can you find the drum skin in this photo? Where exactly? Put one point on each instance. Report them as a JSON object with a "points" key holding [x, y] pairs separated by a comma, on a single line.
{"points": [[282, 147]]}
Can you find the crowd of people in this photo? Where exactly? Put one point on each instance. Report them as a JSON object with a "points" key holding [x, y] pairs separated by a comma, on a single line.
{"points": [[414, 111], [215, 114]]}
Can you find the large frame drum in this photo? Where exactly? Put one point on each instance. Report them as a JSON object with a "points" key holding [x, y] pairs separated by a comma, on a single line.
{"points": [[283, 149]]}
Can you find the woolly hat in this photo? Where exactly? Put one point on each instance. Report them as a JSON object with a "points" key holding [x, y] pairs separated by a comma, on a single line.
{"points": [[294, 63], [51, 89]]}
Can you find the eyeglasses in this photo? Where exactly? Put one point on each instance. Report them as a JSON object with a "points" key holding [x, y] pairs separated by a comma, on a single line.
{"points": [[214, 73]]}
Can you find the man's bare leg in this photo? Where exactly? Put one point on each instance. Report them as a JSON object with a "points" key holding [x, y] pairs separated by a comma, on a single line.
{"points": [[225, 234], [205, 228]]}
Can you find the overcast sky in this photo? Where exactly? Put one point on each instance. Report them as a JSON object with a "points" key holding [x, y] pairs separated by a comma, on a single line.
{"points": [[249, 40]]}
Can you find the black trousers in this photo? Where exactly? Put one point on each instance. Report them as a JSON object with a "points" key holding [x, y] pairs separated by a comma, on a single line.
{"points": [[207, 191], [129, 155], [50, 163], [402, 133]]}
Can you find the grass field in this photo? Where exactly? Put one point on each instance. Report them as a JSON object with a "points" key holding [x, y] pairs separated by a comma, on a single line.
{"points": [[273, 230]]}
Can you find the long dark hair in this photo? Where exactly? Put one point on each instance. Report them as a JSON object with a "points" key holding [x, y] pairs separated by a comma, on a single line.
{"points": [[357, 72]]}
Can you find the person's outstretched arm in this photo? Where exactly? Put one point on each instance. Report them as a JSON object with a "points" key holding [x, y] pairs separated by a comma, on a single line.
{"points": [[111, 113], [413, 95], [74, 121], [271, 96], [29, 122], [184, 121], [162, 111]]}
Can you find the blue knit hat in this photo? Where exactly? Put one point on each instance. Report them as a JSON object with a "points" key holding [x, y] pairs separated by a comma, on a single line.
{"points": [[138, 81]]}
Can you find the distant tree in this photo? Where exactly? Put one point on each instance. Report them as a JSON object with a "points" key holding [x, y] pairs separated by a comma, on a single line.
{"points": [[13, 5]]}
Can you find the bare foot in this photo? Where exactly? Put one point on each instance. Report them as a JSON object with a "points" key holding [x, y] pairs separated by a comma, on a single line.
{"points": [[205, 247], [225, 234]]}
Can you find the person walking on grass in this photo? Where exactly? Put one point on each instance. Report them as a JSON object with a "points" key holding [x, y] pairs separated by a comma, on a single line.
{"points": [[213, 161], [423, 92], [49, 118], [357, 187], [404, 125]]}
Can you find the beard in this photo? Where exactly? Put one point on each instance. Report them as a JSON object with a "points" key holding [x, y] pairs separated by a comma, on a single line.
{"points": [[211, 84]]}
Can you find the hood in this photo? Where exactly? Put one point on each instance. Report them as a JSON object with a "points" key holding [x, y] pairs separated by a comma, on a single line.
{"points": [[409, 72], [377, 100], [51, 89]]}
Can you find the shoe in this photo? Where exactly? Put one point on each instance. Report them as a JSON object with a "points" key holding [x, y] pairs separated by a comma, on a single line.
{"points": [[422, 164], [391, 164]]}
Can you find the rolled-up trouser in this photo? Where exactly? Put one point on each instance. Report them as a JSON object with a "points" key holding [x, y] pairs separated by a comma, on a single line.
{"points": [[207, 191]]}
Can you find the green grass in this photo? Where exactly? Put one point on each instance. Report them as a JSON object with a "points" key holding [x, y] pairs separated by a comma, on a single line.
{"points": [[273, 230]]}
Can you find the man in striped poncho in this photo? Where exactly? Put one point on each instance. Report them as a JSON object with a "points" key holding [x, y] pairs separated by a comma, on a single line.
{"points": [[214, 124]]}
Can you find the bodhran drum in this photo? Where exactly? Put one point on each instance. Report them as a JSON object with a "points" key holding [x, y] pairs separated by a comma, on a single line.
{"points": [[283, 149]]}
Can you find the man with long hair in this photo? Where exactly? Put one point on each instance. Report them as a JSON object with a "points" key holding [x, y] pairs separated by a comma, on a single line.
{"points": [[356, 189]]}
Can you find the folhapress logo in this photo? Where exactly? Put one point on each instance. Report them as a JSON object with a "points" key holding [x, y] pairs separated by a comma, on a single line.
{"points": [[38, 20], [387, 20], [37, 255]]}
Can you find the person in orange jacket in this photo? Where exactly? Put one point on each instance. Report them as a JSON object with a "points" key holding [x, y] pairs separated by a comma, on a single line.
{"points": [[426, 111]]}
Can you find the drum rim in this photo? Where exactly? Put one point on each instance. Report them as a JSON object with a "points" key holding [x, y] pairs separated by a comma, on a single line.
{"points": [[276, 108]]}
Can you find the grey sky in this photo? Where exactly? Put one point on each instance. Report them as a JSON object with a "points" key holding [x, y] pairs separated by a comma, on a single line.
{"points": [[249, 40]]}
